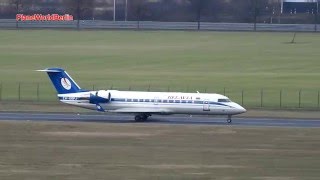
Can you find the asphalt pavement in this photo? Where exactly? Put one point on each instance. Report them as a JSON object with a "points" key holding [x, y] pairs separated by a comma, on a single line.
{"points": [[175, 119]]}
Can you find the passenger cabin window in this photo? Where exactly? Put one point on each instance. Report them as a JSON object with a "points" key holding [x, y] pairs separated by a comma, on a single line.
{"points": [[224, 100]]}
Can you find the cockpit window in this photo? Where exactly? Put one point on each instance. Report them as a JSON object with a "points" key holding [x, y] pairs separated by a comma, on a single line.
{"points": [[224, 100]]}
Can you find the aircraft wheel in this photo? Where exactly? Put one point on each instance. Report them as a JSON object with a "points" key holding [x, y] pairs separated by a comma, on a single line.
{"points": [[141, 117], [137, 118], [144, 117], [229, 120]]}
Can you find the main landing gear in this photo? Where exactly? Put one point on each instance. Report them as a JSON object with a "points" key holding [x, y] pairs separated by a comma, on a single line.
{"points": [[141, 117], [229, 120]]}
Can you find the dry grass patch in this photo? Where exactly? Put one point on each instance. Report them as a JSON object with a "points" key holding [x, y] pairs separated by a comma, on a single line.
{"points": [[83, 150], [188, 166], [276, 178], [98, 134]]}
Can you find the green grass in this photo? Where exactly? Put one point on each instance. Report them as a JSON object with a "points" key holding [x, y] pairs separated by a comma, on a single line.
{"points": [[82, 151], [166, 60]]}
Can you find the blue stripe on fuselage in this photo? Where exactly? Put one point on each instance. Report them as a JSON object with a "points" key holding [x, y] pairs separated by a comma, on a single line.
{"points": [[149, 101]]}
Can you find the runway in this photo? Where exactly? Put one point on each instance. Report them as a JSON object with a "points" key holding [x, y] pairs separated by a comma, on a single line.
{"points": [[176, 119]]}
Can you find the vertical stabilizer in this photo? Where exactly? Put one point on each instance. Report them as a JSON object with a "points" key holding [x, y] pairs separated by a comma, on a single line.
{"points": [[61, 80]]}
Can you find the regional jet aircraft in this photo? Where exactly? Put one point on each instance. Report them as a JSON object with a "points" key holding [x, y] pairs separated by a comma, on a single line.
{"points": [[141, 104]]}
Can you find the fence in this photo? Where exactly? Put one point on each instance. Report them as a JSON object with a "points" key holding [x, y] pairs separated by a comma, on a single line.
{"points": [[154, 25], [249, 98]]}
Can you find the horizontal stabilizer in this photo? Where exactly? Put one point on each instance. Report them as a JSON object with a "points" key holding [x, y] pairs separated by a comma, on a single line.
{"points": [[48, 70]]}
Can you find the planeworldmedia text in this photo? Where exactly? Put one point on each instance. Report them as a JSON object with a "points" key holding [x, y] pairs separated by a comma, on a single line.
{"points": [[41, 17]]}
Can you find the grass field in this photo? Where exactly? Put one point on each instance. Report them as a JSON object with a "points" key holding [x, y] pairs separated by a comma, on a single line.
{"points": [[81, 151], [257, 64]]}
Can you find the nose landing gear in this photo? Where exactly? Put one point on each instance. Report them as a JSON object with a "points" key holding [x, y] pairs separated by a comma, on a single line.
{"points": [[229, 120]]}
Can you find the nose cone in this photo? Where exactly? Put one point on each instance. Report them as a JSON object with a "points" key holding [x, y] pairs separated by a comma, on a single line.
{"points": [[239, 109], [242, 109]]}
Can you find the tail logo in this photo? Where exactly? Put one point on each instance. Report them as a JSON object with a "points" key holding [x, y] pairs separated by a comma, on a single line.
{"points": [[66, 84]]}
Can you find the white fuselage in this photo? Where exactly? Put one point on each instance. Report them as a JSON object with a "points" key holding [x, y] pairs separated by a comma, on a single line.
{"points": [[137, 102]]}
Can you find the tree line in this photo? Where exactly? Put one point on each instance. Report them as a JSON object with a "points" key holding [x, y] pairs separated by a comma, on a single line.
{"points": [[242, 11]]}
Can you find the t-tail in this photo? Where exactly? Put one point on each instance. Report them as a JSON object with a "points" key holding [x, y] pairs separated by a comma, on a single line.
{"points": [[69, 91], [61, 80]]}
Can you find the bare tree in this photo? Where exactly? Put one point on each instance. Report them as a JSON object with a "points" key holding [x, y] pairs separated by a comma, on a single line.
{"points": [[138, 9], [255, 13], [316, 16], [248, 10], [240, 10], [18, 6], [280, 2], [199, 6], [258, 8], [79, 8]]}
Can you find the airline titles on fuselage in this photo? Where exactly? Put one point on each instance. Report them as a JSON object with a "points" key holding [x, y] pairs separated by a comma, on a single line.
{"points": [[180, 97]]}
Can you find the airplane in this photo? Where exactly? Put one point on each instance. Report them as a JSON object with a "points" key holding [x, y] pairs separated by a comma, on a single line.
{"points": [[141, 104]]}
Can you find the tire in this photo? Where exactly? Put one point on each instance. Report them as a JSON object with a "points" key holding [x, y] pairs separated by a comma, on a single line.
{"points": [[144, 117], [137, 118], [141, 117]]}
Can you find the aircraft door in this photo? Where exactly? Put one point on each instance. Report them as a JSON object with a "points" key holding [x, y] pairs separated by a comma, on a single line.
{"points": [[206, 105]]}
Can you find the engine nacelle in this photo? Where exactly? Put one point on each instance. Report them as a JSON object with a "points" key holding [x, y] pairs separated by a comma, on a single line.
{"points": [[101, 96]]}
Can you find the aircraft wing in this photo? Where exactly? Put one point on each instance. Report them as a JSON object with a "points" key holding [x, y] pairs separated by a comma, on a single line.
{"points": [[142, 110]]}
